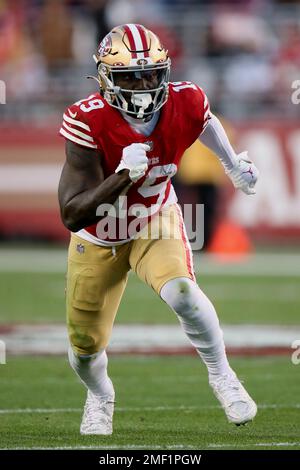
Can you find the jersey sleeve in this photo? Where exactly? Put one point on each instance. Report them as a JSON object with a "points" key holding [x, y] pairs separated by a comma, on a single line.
{"points": [[195, 104], [205, 109], [76, 128]]}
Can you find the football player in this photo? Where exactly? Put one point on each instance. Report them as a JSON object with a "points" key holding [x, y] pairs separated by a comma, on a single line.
{"points": [[125, 142]]}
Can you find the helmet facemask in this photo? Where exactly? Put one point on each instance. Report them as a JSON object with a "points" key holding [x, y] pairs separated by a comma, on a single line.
{"points": [[123, 87]]}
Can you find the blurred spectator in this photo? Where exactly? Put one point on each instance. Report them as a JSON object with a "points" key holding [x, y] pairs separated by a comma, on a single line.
{"points": [[249, 75], [26, 74], [23, 67], [244, 53], [55, 30], [98, 12], [287, 60], [289, 50], [10, 31], [234, 32], [149, 14], [123, 11]]}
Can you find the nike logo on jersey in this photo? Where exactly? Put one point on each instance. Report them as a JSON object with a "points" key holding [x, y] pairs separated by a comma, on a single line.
{"points": [[73, 115]]}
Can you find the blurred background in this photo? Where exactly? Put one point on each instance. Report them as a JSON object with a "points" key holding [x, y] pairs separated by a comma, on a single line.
{"points": [[246, 56]]}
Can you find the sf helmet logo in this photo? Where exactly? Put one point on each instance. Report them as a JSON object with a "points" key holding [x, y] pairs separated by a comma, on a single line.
{"points": [[142, 62], [105, 46]]}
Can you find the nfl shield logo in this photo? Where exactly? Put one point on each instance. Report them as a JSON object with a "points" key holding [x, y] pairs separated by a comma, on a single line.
{"points": [[80, 248]]}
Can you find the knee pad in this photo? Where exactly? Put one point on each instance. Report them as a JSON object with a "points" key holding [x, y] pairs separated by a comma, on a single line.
{"points": [[180, 294], [87, 341]]}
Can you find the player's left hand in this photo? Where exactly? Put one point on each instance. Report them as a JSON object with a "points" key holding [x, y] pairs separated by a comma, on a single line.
{"points": [[244, 174]]}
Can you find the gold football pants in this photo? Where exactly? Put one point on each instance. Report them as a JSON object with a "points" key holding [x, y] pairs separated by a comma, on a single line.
{"points": [[97, 275]]}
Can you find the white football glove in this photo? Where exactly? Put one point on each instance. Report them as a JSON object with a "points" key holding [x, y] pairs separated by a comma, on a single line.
{"points": [[244, 174], [135, 160]]}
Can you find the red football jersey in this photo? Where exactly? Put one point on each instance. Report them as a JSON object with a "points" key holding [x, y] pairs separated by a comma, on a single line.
{"points": [[93, 123]]}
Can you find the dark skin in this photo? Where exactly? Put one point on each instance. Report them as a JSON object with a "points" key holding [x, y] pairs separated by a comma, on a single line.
{"points": [[82, 187]]}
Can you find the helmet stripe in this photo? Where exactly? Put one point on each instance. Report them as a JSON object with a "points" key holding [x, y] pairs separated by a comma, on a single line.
{"points": [[131, 41], [137, 40], [144, 39]]}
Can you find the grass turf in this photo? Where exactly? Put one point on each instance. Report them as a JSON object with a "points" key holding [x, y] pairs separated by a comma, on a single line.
{"points": [[162, 402], [39, 297]]}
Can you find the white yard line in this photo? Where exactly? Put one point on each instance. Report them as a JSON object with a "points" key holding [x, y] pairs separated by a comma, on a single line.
{"points": [[140, 409], [107, 447], [39, 410], [255, 444], [157, 447]]}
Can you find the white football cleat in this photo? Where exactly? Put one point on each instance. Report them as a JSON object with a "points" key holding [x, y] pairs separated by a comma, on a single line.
{"points": [[236, 402], [97, 415]]}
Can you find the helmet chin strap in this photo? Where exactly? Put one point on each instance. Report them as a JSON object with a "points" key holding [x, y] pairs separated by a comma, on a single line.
{"points": [[143, 101]]}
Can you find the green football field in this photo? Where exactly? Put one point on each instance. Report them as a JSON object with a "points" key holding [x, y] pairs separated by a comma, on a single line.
{"points": [[161, 403], [261, 289]]}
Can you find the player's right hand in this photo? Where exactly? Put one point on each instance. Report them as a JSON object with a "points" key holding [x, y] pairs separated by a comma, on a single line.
{"points": [[134, 159]]}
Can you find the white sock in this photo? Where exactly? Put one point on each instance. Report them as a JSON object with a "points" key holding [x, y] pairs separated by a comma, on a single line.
{"points": [[199, 320], [92, 371]]}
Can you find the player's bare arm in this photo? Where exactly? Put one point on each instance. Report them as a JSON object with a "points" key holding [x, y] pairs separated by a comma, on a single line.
{"points": [[82, 187]]}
